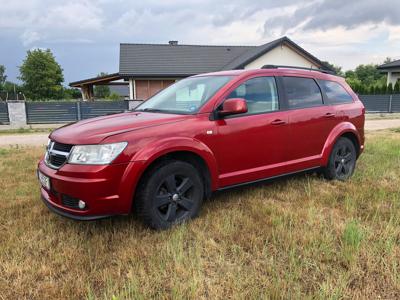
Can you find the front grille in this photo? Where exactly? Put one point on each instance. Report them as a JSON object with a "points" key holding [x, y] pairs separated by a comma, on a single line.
{"points": [[57, 154], [69, 201], [62, 147], [57, 160]]}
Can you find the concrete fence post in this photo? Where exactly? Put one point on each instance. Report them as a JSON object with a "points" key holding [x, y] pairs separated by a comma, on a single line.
{"points": [[17, 113], [132, 104], [78, 110], [390, 103]]}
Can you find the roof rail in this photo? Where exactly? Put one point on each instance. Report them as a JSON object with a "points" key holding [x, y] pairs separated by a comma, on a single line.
{"points": [[300, 68]]}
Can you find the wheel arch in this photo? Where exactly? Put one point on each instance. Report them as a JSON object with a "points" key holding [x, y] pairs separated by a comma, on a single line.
{"points": [[184, 149], [345, 129]]}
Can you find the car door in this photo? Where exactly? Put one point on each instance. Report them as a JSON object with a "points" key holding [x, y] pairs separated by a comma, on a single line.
{"points": [[310, 121], [252, 145]]}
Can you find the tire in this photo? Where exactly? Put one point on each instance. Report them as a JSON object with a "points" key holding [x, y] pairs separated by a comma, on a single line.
{"points": [[342, 160], [170, 193]]}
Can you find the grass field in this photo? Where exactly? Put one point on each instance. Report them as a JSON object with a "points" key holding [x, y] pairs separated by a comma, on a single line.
{"points": [[25, 131], [299, 237]]}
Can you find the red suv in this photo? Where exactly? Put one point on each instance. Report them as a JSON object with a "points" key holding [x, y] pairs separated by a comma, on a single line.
{"points": [[204, 133]]}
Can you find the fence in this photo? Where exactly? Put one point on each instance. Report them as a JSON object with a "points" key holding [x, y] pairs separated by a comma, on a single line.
{"points": [[381, 103], [21, 113], [64, 112], [4, 119]]}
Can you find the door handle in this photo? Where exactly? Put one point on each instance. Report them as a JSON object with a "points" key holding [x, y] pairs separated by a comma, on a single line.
{"points": [[329, 115], [278, 122]]}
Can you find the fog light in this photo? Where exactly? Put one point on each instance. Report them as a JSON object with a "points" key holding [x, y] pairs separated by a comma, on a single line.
{"points": [[81, 204]]}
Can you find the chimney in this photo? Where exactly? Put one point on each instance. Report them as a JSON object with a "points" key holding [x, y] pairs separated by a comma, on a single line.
{"points": [[173, 43]]}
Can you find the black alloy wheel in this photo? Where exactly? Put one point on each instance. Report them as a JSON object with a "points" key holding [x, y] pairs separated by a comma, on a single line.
{"points": [[342, 160], [171, 192]]}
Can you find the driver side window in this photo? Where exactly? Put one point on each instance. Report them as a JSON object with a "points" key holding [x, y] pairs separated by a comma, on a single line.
{"points": [[260, 94]]}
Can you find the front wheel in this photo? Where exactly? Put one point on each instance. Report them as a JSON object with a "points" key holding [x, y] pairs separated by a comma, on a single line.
{"points": [[171, 192], [342, 160]]}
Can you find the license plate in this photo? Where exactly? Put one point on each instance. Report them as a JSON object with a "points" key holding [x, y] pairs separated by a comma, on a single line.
{"points": [[44, 180]]}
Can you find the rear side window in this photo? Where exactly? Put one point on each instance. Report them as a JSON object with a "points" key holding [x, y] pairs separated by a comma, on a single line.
{"points": [[334, 92], [302, 92]]}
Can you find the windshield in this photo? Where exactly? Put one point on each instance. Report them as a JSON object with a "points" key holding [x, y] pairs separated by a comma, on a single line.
{"points": [[185, 96]]}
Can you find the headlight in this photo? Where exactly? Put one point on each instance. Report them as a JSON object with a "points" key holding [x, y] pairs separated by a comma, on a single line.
{"points": [[96, 154]]}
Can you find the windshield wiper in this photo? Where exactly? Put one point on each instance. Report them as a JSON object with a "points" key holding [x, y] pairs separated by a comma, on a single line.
{"points": [[150, 110]]}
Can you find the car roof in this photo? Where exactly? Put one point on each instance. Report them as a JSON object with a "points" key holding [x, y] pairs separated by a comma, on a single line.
{"points": [[276, 71]]}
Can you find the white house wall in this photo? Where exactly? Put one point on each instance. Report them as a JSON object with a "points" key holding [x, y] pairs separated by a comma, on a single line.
{"points": [[281, 55], [393, 76]]}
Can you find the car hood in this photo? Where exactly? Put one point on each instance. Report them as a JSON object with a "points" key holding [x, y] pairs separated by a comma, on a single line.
{"points": [[93, 131]]}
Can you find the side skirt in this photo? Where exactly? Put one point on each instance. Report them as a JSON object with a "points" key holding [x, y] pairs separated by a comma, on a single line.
{"points": [[266, 179]]}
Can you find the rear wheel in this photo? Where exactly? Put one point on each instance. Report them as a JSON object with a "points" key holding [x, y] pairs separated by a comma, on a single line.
{"points": [[171, 192], [342, 160]]}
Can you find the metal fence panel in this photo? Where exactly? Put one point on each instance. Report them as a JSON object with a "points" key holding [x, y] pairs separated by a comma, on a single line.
{"points": [[4, 119], [47, 112], [102, 108], [396, 103], [375, 103]]}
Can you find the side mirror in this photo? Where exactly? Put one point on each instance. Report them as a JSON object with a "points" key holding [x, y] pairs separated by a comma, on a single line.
{"points": [[233, 106]]}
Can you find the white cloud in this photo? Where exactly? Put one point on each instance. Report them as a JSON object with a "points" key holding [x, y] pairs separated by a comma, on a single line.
{"points": [[29, 37], [352, 33]]}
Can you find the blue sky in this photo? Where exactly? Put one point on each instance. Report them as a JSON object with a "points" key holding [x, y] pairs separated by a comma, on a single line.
{"points": [[85, 35]]}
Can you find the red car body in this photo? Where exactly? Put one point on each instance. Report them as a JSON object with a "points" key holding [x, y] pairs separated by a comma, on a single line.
{"points": [[235, 150]]}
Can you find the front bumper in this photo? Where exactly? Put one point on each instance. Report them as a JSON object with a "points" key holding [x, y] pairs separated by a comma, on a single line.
{"points": [[61, 212], [104, 189]]}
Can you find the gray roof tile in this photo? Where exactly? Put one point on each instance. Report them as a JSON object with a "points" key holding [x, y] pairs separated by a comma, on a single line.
{"points": [[393, 64], [185, 60]]}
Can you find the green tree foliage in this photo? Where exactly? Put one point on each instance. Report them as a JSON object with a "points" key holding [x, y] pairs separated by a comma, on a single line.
{"points": [[3, 76], [72, 93], [367, 79], [41, 75], [396, 88], [102, 91], [114, 96], [337, 69], [389, 89]]}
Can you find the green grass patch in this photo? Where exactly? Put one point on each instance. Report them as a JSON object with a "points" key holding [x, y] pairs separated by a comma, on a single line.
{"points": [[25, 131], [296, 238]]}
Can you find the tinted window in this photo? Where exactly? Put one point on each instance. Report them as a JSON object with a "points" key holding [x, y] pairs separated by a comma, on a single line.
{"points": [[302, 92], [335, 92], [260, 94]]}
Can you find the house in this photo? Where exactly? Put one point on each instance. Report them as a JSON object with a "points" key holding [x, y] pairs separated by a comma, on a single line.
{"points": [[148, 68], [393, 71]]}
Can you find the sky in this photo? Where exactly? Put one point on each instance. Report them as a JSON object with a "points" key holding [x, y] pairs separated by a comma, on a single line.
{"points": [[85, 35]]}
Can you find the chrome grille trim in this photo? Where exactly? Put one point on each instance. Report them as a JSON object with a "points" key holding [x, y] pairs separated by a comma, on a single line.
{"points": [[52, 155]]}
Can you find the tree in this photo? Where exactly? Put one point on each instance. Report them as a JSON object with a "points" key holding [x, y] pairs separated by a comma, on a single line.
{"points": [[389, 89], [337, 69], [387, 60], [114, 96], [41, 75], [3, 76], [71, 93], [368, 74], [396, 88], [102, 91]]}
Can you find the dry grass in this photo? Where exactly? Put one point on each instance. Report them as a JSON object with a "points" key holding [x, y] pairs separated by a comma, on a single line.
{"points": [[300, 237]]}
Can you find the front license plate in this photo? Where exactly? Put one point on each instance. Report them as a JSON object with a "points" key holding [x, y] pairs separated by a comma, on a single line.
{"points": [[44, 180]]}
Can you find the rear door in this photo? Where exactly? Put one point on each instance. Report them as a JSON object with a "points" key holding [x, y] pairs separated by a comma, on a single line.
{"points": [[253, 145], [310, 121]]}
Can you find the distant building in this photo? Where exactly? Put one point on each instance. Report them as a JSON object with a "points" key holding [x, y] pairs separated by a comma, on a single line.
{"points": [[393, 71], [148, 68]]}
